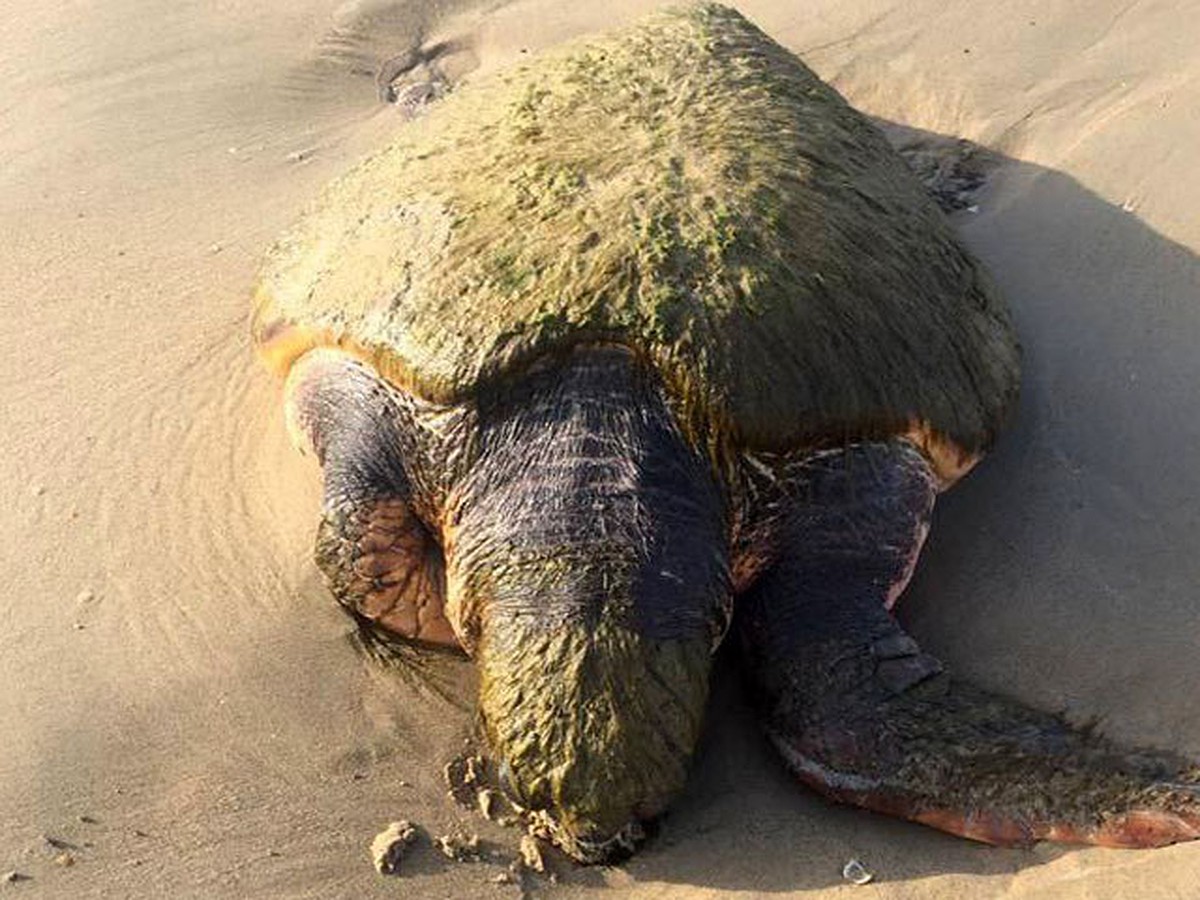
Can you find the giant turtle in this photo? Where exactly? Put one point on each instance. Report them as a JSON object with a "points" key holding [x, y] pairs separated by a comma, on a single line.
{"points": [[652, 338]]}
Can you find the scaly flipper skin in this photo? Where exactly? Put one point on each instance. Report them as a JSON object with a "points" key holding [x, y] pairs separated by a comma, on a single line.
{"points": [[862, 715], [380, 558]]}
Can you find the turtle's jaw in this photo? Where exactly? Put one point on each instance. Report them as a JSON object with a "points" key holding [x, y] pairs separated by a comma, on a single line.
{"points": [[591, 847]]}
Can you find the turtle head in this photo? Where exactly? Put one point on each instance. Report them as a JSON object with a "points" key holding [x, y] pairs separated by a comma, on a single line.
{"points": [[587, 569], [591, 727]]}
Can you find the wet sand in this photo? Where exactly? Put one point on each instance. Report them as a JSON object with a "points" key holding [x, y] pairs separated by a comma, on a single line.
{"points": [[172, 670]]}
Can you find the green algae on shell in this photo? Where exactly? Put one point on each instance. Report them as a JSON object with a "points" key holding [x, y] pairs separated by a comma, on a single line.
{"points": [[687, 188]]}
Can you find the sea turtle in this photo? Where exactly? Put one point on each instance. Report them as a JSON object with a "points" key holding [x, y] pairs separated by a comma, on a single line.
{"points": [[643, 330]]}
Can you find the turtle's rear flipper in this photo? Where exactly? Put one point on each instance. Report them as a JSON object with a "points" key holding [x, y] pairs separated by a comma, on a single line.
{"points": [[862, 715], [380, 558]]}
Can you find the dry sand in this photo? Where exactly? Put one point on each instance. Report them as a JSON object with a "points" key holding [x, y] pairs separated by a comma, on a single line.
{"points": [[170, 667]]}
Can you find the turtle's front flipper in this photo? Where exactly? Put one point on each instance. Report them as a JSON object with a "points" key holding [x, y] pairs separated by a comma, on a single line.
{"points": [[861, 714], [381, 560]]}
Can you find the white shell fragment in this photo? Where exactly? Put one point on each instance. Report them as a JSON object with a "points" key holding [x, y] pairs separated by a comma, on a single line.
{"points": [[856, 873]]}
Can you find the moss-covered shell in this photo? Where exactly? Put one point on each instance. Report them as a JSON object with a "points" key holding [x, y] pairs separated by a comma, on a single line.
{"points": [[687, 188]]}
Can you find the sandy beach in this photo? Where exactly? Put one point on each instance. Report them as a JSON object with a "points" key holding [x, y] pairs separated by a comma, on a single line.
{"points": [[182, 713]]}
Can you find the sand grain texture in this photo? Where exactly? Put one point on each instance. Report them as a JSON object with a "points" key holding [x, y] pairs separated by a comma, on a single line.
{"points": [[171, 668]]}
